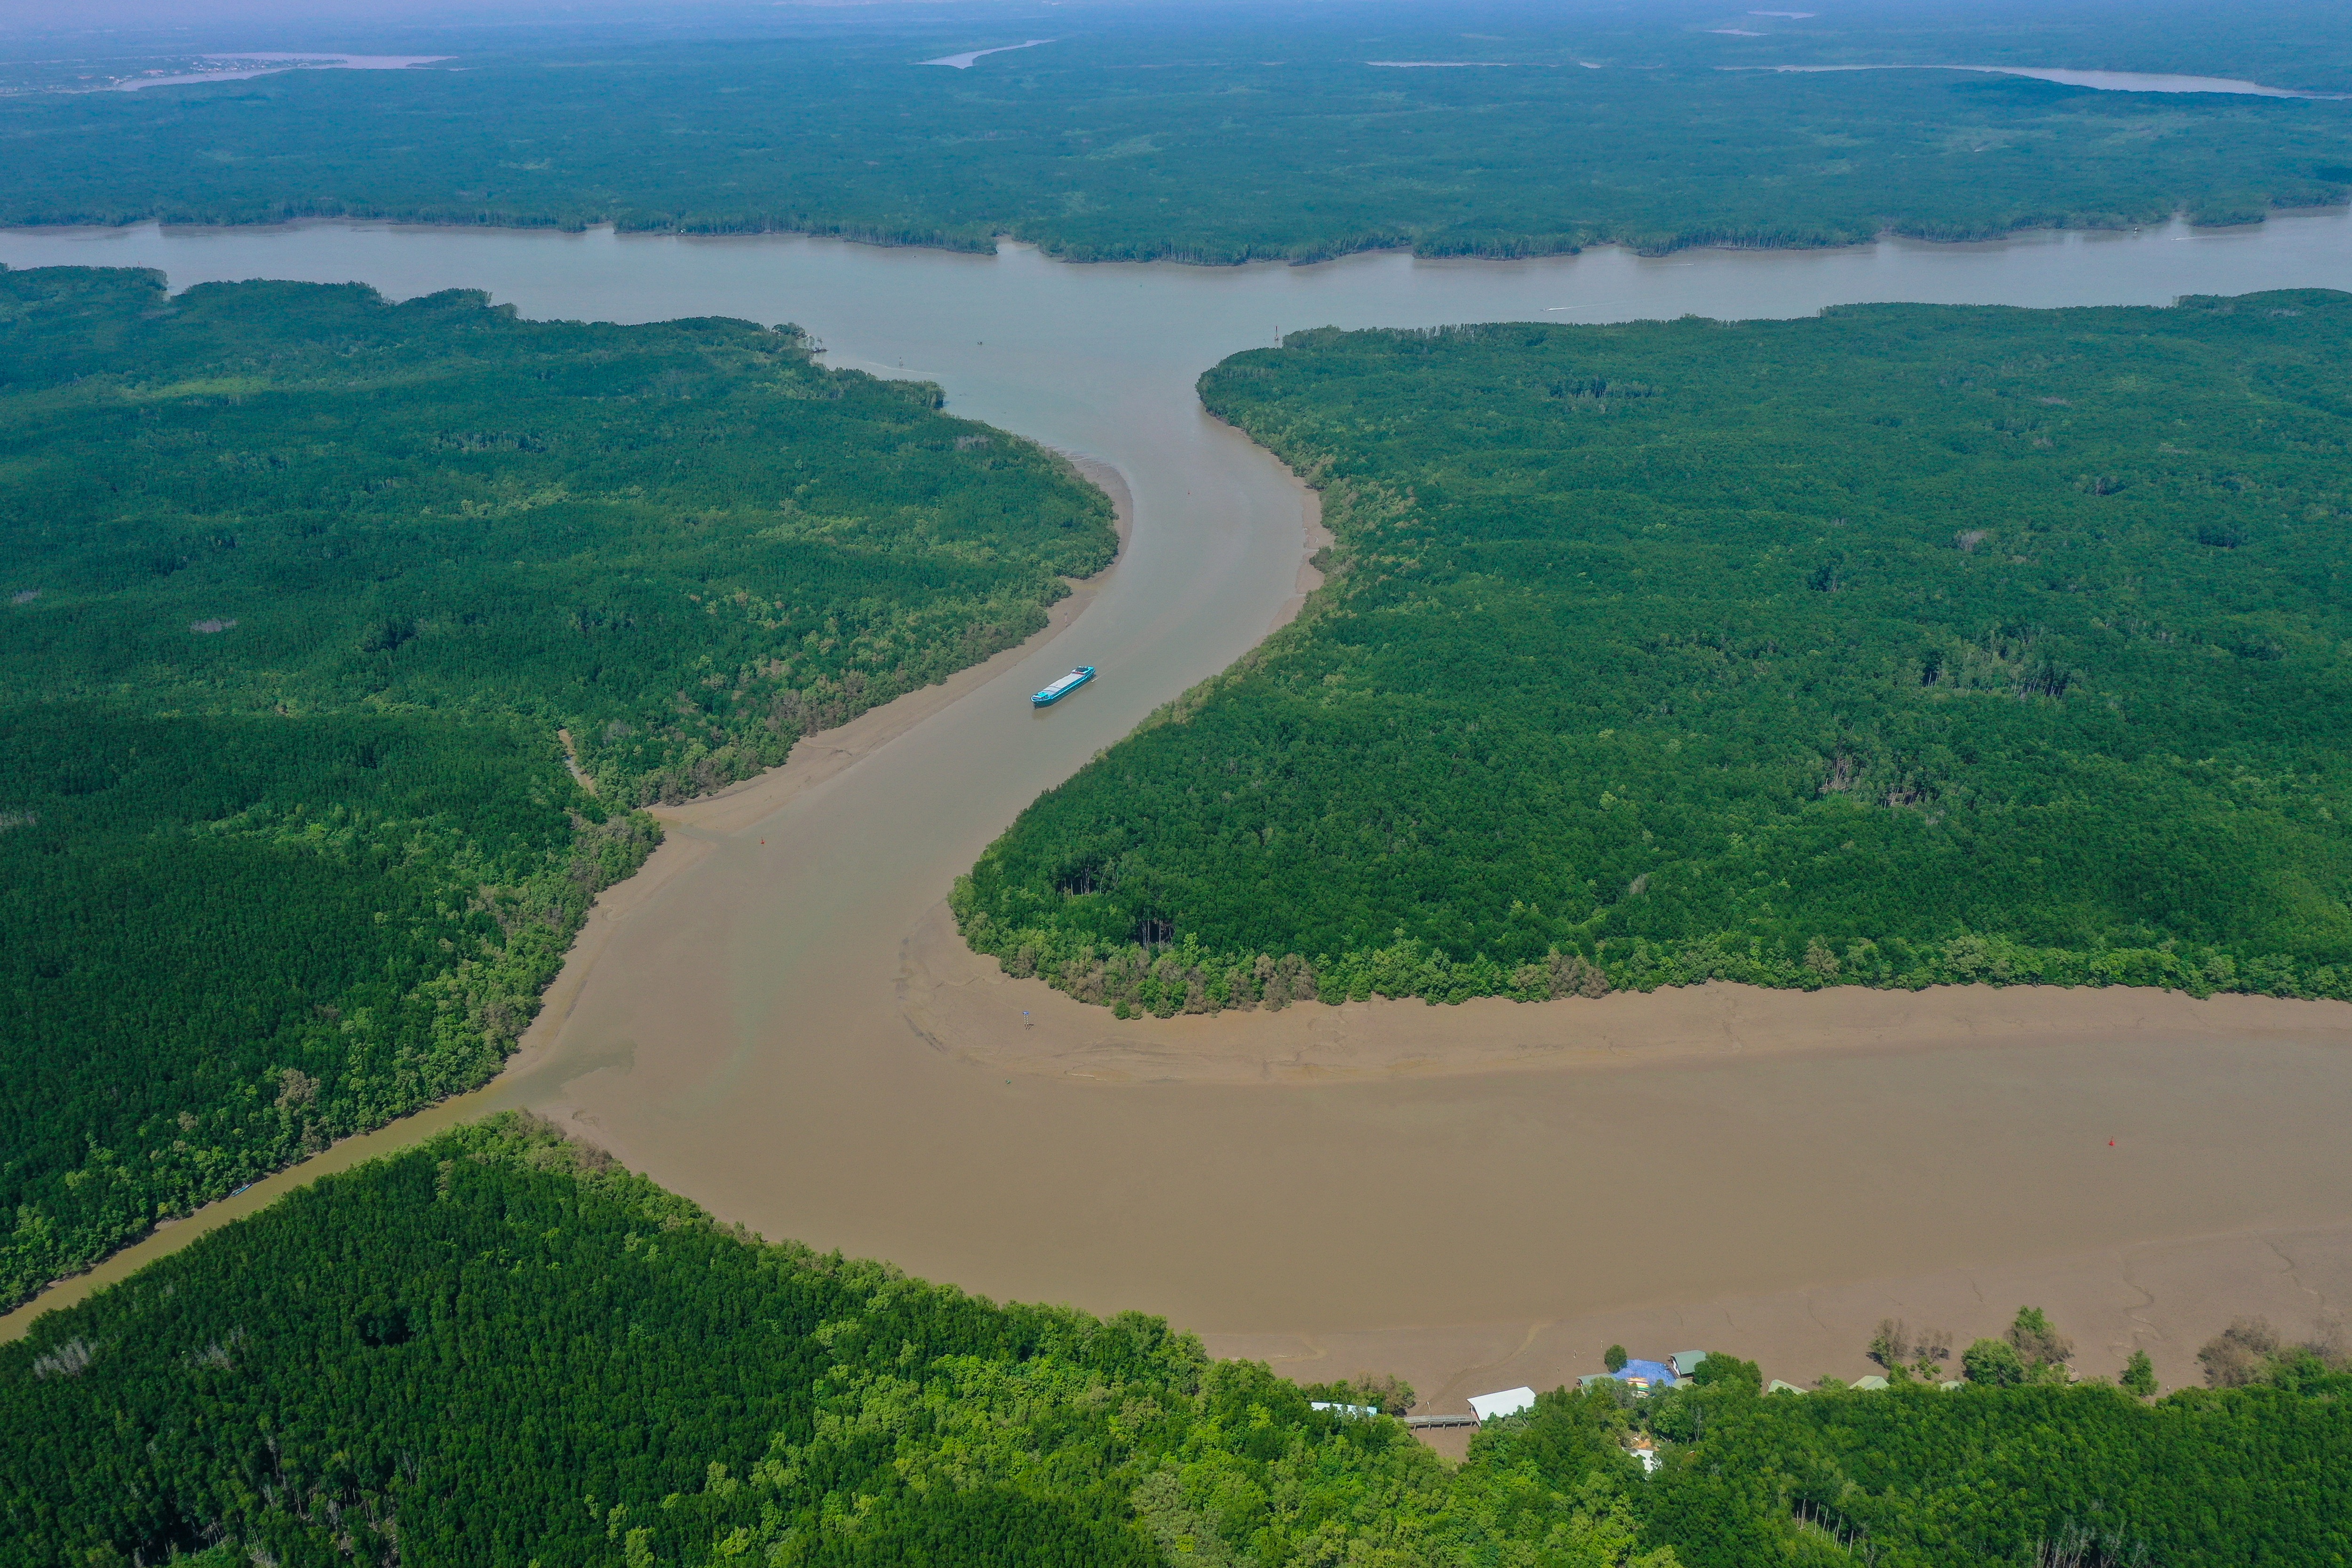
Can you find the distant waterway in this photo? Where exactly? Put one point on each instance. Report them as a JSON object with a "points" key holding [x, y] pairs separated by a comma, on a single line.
{"points": [[2104, 81], [740, 1033], [244, 67]]}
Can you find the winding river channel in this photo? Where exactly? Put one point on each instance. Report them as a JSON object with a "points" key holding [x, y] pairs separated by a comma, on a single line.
{"points": [[768, 1021]]}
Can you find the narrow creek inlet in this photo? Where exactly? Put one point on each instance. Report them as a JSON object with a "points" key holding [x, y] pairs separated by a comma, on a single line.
{"points": [[736, 1029]]}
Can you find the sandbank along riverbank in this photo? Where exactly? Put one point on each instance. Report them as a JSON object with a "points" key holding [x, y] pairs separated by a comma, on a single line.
{"points": [[964, 1003]]}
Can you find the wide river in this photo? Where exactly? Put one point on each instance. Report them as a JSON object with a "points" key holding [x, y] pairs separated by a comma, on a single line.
{"points": [[739, 1028]]}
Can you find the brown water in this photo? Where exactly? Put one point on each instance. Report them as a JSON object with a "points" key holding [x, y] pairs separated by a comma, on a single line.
{"points": [[738, 1033]]}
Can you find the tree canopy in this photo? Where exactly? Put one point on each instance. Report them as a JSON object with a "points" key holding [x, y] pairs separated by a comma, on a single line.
{"points": [[1900, 645], [1205, 136], [304, 587], [497, 1348]]}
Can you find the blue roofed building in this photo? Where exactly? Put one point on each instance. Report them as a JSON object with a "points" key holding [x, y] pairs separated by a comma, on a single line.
{"points": [[1639, 1376], [1648, 1374]]}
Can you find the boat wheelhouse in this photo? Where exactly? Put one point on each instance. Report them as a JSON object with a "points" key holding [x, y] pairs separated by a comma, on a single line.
{"points": [[1063, 687]]}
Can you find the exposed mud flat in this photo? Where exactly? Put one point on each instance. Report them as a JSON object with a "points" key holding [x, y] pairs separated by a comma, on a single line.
{"points": [[964, 1003]]}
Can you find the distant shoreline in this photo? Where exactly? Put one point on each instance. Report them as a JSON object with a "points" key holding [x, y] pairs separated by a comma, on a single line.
{"points": [[848, 235]]}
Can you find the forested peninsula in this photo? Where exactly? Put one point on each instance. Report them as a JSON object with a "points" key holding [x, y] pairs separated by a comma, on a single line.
{"points": [[498, 1349], [304, 588], [1905, 645], [1146, 137]]}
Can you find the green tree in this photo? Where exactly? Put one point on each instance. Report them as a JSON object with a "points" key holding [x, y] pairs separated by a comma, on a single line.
{"points": [[1723, 1370], [347, 635], [2062, 650], [1271, 141], [1614, 1358], [2247, 1351], [2043, 1349], [340, 1380], [1994, 1364], [2139, 1375]]}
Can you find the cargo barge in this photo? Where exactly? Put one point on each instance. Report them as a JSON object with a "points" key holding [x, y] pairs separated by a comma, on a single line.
{"points": [[1063, 687]]}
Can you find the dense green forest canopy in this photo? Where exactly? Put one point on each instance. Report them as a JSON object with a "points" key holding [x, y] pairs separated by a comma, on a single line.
{"points": [[1225, 137], [1918, 1476], [2286, 44], [1904, 645], [496, 1349], [302, 586], [686, 542]]}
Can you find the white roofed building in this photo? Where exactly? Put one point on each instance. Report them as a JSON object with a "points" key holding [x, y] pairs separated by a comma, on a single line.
{"points": [[1509, 1402]]}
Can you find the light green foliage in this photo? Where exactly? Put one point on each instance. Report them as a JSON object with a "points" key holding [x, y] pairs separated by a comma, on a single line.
{"points": [[1721, 1366], [1995, 1363], [1913, 1477], [1389, 1394], [2138, 1375], [1202, 139], [1906, 645], [301, 587]]}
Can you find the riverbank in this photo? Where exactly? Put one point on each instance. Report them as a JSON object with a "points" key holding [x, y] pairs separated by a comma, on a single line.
{"points": [[2166, 1297], [965, 1004], [689, 829], [741, 1036]]}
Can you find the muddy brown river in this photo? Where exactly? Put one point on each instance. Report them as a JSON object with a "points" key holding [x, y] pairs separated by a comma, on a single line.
{"points": [[771, 1021]]}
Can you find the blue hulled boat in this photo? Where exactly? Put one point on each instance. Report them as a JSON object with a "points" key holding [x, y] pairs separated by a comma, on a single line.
{"points": [[1063, 687]]}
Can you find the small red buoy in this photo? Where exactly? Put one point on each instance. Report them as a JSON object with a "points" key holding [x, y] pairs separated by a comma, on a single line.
{"points": [[2111, 1142]]}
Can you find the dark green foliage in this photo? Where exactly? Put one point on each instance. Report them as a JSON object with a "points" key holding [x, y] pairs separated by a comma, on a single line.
{"points": [[1218, 141], [303, 586], [496, 1349], [1902, 645], [237, 937], [1913, 1477], [686, 542]]}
